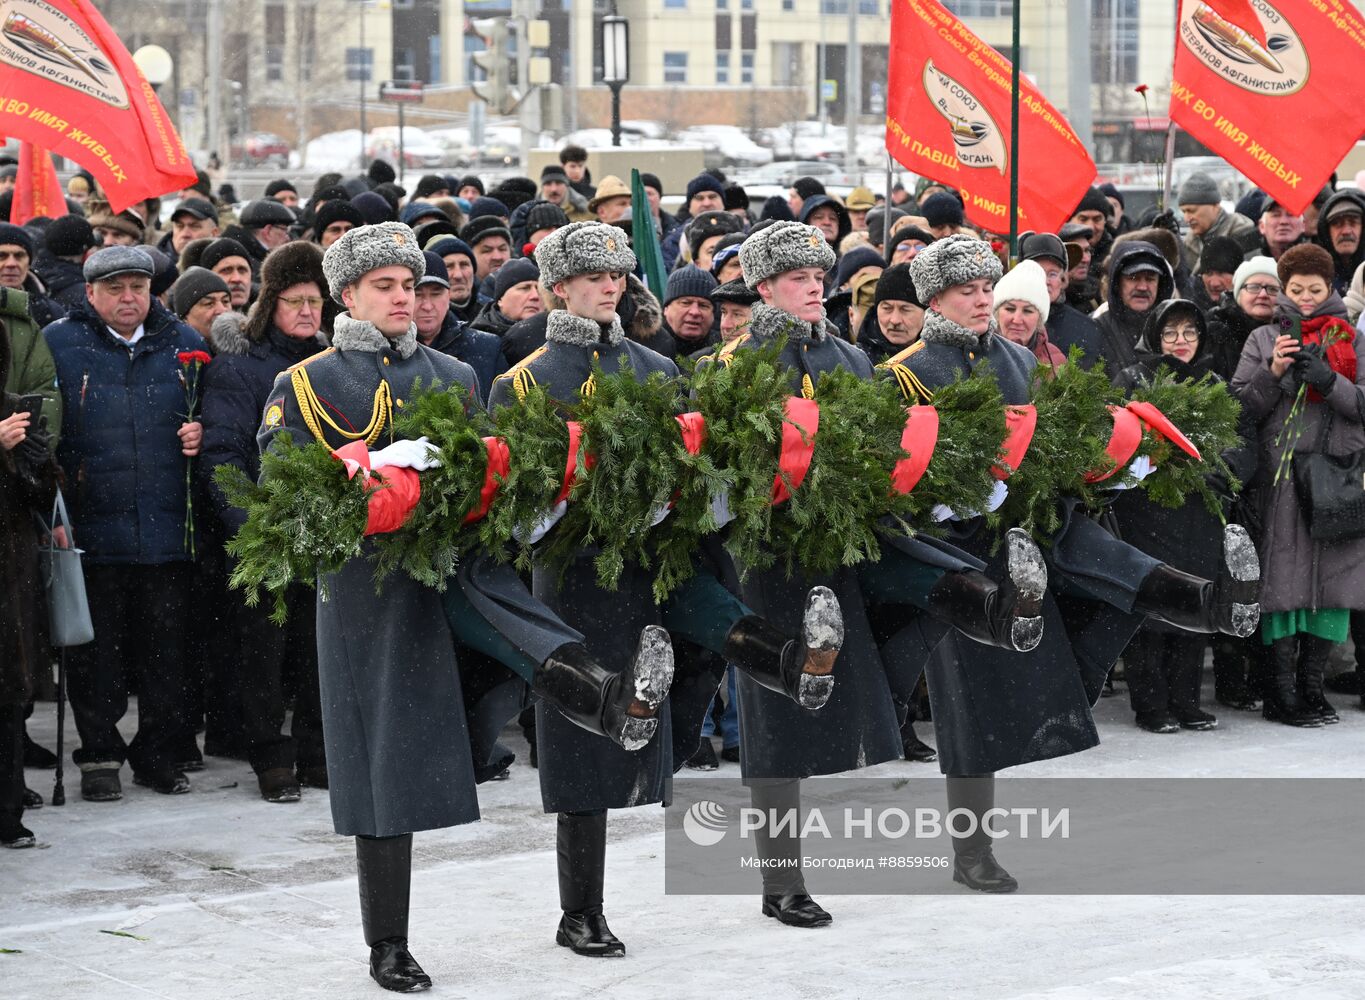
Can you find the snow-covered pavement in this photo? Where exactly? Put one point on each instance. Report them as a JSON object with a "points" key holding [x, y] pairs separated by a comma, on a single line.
{"points": [[219, 895]]}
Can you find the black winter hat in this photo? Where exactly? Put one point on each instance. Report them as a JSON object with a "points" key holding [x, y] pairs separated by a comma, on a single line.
{"points": [[735, 197], [703, 182], [808, 187], [483, 227], [907, 233], [943, 210], [17, 236], [735, 291], [200, 208], [1094, 201], [336, 211], [437, 274], [487, 205], [284, 267], [380, 173], [276, 186], [1110, 191], [652, 181], [1221, 255], [333, 192], [712, 224], [545, 216], [259, 213], [514, 272], [471, 180], [192, 286], [553, 172], [895, 284], [165, 272], [776, 209], [69, 236], [220, 250], [855, 260], [428, 185], [374, 208], [689, 280]]}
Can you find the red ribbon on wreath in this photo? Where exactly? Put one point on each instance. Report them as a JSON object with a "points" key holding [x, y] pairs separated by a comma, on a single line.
{"points": [[918, 439], [693, 431], [1123, 444], [392, 492], [571, 467], [798, 446], [1020, 423], [1162, 426], [499, 463]]}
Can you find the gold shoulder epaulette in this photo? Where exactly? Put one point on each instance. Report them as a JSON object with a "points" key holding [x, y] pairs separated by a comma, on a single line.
{"points": [[898, 358], [520, 374], [314, 411], [309, 360]]}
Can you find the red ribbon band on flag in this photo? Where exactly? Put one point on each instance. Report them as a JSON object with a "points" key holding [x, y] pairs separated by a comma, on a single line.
{"points": [[499, 462], [1161, 425], [918, 439], [798, 446], [1123, 444], [1020, 423]]}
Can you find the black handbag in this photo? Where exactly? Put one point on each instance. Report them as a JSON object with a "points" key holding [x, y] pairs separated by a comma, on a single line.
{"points": [[1331, 490]]}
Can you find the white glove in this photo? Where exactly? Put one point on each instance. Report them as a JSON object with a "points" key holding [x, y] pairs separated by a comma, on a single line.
{"points": [[998, 493], [720, 508], [660, 512], [543, 526], [1140, 468], [419, 455], [942, 513]]}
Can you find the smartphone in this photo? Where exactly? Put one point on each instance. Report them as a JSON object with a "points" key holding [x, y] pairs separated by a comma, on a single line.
{"points": [[33, 403]]}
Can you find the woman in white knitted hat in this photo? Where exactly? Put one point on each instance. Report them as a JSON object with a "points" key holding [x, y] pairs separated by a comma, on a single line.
{"points": [[1021, 309]]}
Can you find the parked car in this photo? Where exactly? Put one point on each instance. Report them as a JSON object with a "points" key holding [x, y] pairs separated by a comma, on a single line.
{"points": [[726, 145], [262, 149], [420, 151]]}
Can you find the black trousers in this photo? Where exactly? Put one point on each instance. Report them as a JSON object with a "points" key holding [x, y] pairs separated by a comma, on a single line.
{"points": [[211, 678], [141, 627], [11, 770], [1164, 670], [278, 666]]}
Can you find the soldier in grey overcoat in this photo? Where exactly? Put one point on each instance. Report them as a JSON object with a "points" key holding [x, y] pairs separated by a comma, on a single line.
{"points": [[394, 725], [583, 265]]}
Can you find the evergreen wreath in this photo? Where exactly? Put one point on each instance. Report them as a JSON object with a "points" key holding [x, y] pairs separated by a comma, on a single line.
{"points": [[305, 520], [971, 419], [1208, 414], [1072, 435]]}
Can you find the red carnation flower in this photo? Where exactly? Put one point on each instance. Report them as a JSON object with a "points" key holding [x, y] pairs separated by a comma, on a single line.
{"points": [[194, 357], [1141, 88]]}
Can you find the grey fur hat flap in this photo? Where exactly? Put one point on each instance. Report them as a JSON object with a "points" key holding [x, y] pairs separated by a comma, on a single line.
{"points": [[366, 248], [783, 246], [583, 248], [953, 260]]}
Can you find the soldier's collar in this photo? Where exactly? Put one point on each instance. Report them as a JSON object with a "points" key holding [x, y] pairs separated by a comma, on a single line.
{"points": [[350, 334], [939, 329], [768, 322], [563, 327]]}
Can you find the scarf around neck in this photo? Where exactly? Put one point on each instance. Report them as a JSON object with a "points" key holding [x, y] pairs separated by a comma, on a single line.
{"points": [[563, 327], [939, 329], [768, 322], [349, 334]]}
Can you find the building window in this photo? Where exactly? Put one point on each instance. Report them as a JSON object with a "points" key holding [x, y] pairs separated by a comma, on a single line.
{"points": [[722, 4], [787, 65], [789, 4], [675, 4], [723, 68], [675, 67], [746, 67], [359, 64], [833, 6], [746, 4], [981, 8], [274, 33], [1114, 34]]}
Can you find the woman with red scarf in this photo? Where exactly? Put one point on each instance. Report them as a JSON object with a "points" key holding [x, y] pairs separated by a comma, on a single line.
{"points": [[1308, 588]]}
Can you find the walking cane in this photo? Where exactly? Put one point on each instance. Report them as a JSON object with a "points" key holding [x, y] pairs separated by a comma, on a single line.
{"points": [[58, 790]]}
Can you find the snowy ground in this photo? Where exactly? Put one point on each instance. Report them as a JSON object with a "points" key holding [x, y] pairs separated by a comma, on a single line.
{"points": [[231, 897]]}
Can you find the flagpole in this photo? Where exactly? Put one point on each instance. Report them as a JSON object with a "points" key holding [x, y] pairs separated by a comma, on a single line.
{"points": [[886, 205], [1014, 137]]}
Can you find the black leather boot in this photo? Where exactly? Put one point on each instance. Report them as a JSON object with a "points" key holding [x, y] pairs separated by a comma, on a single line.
{"points": [[1314, 653], [1195, 604], [802, 669], [1007, 614], [622, 706], [581, 847], [784, 887], [974, 863], [384, 867], [1282, 702]]}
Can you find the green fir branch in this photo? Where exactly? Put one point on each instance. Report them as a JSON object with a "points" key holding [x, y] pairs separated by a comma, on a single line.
{"points": [[538, 444]]}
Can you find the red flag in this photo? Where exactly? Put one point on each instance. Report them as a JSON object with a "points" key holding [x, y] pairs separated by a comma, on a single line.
{"points": [[1283, 112], [1240, 14], [36, 190], [948, 118], [69, 85]]}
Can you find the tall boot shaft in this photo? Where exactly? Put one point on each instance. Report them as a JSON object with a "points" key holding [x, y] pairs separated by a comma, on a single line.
{"points": [[1282, 702], [1006, 614], [1314, 654], [384, 871], [621, 706], [974, 863], [801, 668], [581, 853]]}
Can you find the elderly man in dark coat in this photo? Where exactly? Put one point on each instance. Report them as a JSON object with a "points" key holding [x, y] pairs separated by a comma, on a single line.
{"points": [[397, 743]]}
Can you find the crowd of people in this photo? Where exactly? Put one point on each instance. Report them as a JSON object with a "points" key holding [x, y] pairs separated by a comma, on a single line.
{"points": [[141, 353]]}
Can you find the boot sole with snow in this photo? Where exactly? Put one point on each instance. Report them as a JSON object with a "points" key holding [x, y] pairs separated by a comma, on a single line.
{"points": [[651, 677], [1244, 568], [1028, 574], [822, 634]]}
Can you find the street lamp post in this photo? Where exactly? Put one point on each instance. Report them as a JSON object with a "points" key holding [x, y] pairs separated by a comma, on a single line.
{"points": [[615, 66]]}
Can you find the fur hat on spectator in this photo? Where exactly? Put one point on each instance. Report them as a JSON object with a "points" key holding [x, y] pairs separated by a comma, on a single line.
{"points": [[1307, 259], [289, 265]]}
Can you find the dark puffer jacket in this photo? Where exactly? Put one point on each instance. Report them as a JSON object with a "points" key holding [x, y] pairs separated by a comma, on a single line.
{"points": [[65, 280], [1121, 327], [1229, 327], [120, 448], [236, 387], [478, 349]]}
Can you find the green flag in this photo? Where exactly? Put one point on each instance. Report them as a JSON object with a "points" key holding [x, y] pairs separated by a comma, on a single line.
{"points": [[644, 237]]}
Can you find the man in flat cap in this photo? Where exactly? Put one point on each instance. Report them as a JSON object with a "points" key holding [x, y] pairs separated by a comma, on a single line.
{"points": [[267, 223], [124, 448], [398, 745]]}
